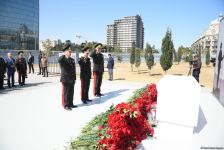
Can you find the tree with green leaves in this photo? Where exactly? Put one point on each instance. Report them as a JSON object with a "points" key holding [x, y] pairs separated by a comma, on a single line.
{"points": [[199, 49], [207, 57], [68, 42], [137, 58], [47, 45], [166, 59], [190, 55], [154, 50], [132, 55], [149, 58], [117, 52], [179, 54], [175, 55]]}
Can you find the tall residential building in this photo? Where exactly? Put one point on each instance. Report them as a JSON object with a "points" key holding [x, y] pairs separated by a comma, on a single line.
{"points": [[19, 24], [209, 39], [124, 31]]}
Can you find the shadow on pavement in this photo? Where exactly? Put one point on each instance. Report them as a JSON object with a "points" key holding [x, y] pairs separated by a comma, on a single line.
{"points": [[19, 88], [201, 121], [104, 98], [119, 79], [177, 74], [156, 74]]}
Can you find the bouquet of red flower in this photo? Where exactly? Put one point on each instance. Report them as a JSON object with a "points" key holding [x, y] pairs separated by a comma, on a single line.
{"points": [[128, 125], [122, 127]]}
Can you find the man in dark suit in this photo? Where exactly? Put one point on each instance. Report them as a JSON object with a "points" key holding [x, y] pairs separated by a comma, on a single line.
{"points": [[98, 69], [21, 68], [30, 62], [39, 62], [11, 69], [68, 77], [85, 75], [110, 66], [2, 72]]}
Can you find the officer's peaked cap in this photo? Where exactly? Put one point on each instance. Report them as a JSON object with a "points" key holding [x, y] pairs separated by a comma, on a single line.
{"points": [[85, 49], [66, 47], [98, 45]]}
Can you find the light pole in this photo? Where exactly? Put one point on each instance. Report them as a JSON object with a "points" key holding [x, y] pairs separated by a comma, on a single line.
{"points": [[79, 37]]}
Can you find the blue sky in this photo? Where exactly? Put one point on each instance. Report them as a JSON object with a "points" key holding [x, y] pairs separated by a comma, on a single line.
{"points": [[64, 19]]}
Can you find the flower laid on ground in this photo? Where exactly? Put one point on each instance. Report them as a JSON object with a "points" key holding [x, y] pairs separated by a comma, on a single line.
{"points": [[128, 125], [122, 127]]}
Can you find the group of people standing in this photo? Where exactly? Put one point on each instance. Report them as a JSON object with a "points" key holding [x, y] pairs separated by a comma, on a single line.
{"points": [[10, 65], [68, 74]]}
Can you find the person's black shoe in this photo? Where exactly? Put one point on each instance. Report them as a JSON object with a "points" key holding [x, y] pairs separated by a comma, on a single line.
{"points": [[13, 86], [84, 102], [21, 84], [10, 87], [101, 94], [89, 100], [68, 108], [2, 88], [74, 106], [98, 95]]}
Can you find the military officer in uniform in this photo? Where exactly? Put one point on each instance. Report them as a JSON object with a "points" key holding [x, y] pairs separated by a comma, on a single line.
{"points": [[21, 67], [2, 72], [98, 69], [68, 77], [85, 75]]}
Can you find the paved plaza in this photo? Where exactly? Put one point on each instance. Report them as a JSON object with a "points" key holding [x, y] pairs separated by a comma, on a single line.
{"points": [[32, 117]]}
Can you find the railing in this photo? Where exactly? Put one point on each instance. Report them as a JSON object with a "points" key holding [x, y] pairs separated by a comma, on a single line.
{"points": [[53, 66]]}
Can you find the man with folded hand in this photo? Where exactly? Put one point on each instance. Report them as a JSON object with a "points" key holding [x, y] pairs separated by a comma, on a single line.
{"points": [[85, 75], [21, 67]]}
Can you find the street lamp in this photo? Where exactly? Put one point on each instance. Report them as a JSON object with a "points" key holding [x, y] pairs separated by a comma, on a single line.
{"points": [[79, 37]]}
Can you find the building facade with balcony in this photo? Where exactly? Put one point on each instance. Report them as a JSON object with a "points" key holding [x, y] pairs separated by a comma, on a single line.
{"points": [[209, 39], [124, 31]]}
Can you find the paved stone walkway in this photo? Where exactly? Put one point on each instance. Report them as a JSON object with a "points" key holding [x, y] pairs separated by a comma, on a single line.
{"points": [[32, 117]]}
